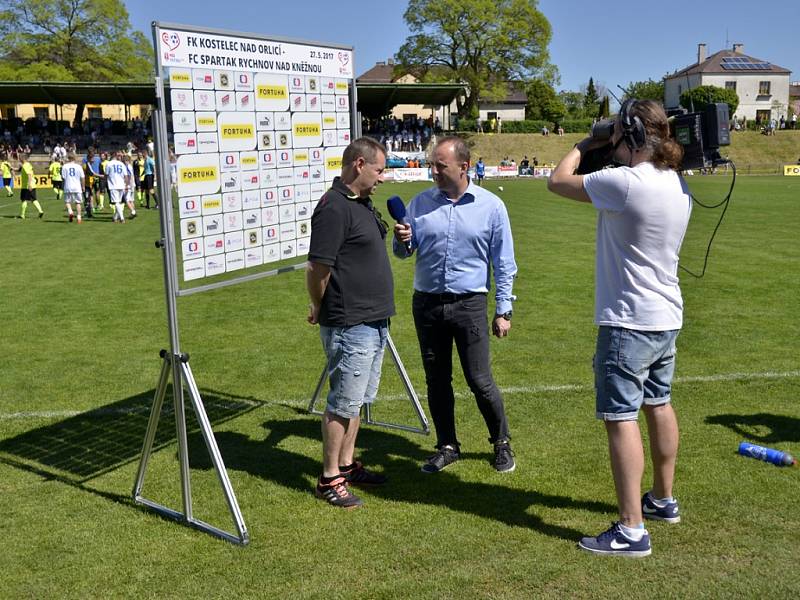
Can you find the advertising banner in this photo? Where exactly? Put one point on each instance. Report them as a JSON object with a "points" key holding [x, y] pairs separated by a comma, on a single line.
{"points": [[259, 127], [791, 170]]}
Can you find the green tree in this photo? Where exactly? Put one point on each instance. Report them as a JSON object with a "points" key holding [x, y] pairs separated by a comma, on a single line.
{"points": [[573, 102], [645, 90], [543, 102], [71, 40], [482, 43], [591, 100], [699, 97], [605, 108]]}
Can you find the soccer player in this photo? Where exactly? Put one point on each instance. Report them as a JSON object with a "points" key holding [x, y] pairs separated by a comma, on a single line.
{"points": [[129, 200], [5, 167], [55, 177], [102, 182], [27, 187], [480, 171], [118, 180], [74, 186], [89, 193], [149, 179], [138, 177]]}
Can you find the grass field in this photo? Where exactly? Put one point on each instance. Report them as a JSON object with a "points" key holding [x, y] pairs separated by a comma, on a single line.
{"points": [[84, 318], [752, 152]]}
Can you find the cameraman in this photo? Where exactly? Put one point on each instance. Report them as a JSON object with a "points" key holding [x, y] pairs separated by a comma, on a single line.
{"points": [[643, 211]]}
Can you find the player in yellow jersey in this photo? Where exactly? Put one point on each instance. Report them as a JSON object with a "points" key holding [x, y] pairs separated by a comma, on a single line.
{"points": [[5, 169], [55, 177], [27, 187]]}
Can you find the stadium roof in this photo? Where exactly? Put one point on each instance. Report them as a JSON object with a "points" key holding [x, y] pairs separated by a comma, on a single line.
{"points": [[376, 99], [83, 92]]}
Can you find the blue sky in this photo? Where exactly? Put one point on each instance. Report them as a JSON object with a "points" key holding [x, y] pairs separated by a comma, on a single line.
{"points": [[589, 38]]}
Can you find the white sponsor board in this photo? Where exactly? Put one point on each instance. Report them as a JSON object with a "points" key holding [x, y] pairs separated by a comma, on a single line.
{"points": [[259, 127]]}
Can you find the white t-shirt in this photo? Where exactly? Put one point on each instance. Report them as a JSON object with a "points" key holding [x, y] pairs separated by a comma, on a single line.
{"points": [[643, 213], [72, 174], [115, 174]]}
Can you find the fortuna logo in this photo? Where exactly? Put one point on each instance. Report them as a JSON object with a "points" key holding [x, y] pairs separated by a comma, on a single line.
{"points": [[615, 545]]}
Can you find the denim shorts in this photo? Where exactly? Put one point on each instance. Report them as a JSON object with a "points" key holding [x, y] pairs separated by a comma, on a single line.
{"points": [[355, 357], [630, 368]]}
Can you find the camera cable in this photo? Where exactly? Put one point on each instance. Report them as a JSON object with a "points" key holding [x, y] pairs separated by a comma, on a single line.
{"points": [[724, 203]]}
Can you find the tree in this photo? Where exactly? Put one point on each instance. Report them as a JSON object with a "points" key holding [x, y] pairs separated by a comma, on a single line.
{"points": [[645, 90], [71, 40], [591, 100], [573, 101], [699, 97], [482, 43], [543, 102], [605, 108]]}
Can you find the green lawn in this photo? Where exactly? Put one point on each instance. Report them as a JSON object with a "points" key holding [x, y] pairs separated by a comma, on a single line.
{"points": [[84, 319]]}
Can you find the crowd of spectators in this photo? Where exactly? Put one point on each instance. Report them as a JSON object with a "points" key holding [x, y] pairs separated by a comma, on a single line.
{"points": [[403, 135], [44, 136]]}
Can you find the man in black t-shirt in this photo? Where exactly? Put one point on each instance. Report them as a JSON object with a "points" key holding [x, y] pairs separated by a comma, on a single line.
{"points": [[349, 281]]}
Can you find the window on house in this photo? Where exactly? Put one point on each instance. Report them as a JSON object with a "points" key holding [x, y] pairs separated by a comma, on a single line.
{"points": [[680, 88], [730, 85], [763, 88]]}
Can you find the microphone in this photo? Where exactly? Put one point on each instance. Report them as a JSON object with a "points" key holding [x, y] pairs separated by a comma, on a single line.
{"points": [[398, 212]]}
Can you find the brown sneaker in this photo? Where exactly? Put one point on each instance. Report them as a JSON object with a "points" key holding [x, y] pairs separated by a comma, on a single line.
{"points": [[358, 475], [337, 493]]}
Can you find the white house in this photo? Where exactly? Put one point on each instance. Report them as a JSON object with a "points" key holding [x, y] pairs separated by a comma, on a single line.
{"points": [[762, 87]]}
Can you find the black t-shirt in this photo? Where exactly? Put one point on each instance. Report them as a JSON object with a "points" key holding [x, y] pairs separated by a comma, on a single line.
{"points": [[346, 236]]}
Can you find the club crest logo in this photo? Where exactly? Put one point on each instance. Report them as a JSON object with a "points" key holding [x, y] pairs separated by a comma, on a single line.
{"points": [[344, 58], [170, 40]]}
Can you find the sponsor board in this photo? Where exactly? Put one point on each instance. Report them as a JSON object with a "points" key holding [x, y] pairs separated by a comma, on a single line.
{"points": [[259, 128], [791, 170]]}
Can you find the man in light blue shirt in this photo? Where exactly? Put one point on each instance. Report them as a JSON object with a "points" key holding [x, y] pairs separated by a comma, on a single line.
{"points": [[461, 235]]}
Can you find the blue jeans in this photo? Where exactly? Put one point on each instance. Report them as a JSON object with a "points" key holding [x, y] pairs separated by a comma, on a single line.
{"points": [[631, 368], [442, 319], [355, 357]]}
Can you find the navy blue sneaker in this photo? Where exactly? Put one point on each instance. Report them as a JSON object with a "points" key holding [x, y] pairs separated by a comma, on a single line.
{"points": [[613, 541], [669, 512]]}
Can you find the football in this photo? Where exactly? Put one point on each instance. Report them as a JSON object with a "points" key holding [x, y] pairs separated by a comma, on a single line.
{"points": [[500, 187]]}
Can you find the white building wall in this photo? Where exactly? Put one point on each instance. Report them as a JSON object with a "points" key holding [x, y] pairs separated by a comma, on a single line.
{"points": [[673, 88], [747, 87], [507, 112]]}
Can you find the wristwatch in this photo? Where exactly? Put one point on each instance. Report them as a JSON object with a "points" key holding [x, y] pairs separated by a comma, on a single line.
{"points": [[505, 315]]}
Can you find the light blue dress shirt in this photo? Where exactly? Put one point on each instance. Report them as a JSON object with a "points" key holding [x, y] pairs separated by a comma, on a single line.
{"points": [[457, 241]]}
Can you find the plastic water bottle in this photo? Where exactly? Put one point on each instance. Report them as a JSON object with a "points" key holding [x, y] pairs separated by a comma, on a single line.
{"points": [[776, 457]]}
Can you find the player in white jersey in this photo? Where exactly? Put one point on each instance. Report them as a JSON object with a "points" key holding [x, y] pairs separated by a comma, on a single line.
{"points": [[128, 196], [117, 179], [74, 186]]}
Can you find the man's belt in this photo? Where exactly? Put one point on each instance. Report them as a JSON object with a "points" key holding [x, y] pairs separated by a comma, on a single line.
{"points": [[448, 297]]}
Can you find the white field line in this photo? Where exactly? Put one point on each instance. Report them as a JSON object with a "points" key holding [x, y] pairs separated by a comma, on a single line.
{"points": [[534, 389]]}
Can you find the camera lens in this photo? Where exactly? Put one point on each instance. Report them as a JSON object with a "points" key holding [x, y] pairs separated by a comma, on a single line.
{"points": [[603, 130]]}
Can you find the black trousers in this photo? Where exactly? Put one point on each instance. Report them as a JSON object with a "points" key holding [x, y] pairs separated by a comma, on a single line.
{"points": [[442, 319]]}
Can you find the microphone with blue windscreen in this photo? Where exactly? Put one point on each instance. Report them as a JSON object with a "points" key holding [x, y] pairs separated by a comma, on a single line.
{"points": [[398, 212]]}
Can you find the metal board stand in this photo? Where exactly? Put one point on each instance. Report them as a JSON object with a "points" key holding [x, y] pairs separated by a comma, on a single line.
{"points": [[424, 427], [182, 374], [178, 364]]}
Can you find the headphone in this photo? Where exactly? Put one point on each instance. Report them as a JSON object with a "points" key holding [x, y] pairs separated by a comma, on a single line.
{"points": [[633, 131]]}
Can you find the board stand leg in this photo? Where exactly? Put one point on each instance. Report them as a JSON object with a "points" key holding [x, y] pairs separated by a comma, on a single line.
{"points": [[424, 427], [178, 367]]}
